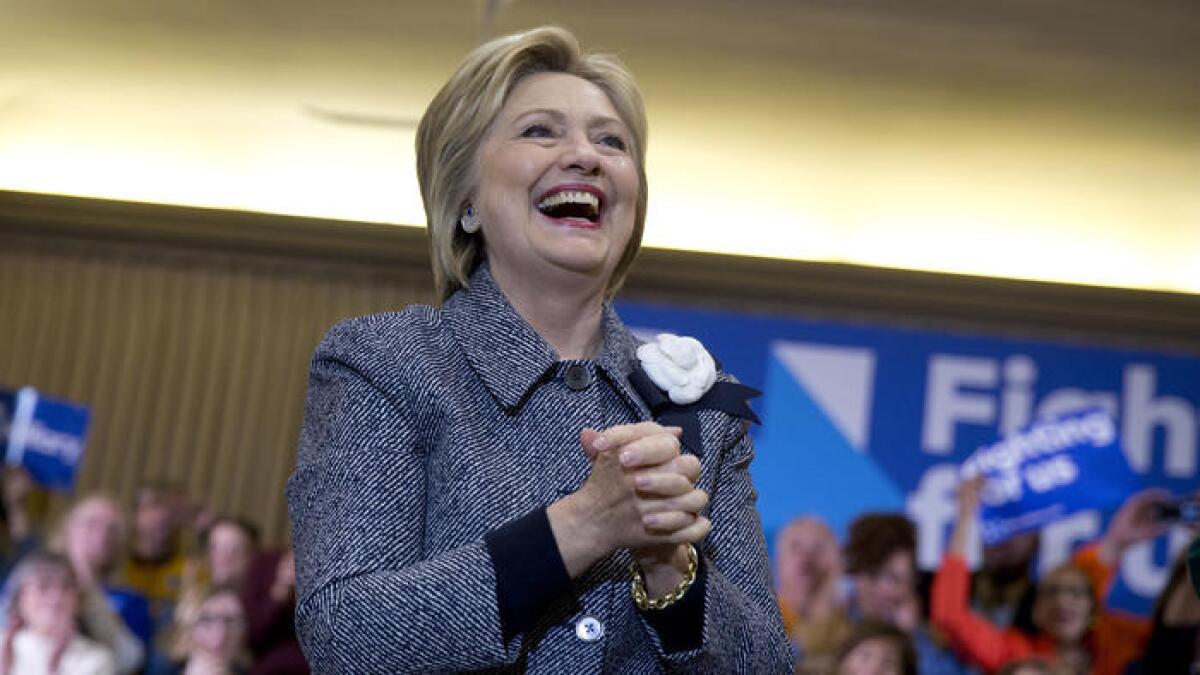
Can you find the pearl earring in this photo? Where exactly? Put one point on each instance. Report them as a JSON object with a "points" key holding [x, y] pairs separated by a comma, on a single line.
{"points": [[468, 222]]}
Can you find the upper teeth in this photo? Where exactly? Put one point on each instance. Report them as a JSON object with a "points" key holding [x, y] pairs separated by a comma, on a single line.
{"points": [[573, 196]]}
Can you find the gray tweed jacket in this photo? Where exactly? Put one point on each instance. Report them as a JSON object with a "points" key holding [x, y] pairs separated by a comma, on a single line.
{"points": [[428, 429]]}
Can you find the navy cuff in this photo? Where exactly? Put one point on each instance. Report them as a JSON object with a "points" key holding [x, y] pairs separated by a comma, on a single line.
{"points": [[530, 573], [680, 626]]}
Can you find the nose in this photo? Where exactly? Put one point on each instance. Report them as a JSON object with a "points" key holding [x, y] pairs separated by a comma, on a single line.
{"points": [[580, 155]]}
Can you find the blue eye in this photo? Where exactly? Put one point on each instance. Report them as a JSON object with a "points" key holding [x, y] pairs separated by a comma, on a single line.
{"points": [[537, 131], [614, 141]]}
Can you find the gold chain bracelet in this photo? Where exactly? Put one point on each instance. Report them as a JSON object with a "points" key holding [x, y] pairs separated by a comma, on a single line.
{"points": [[645, 602]]}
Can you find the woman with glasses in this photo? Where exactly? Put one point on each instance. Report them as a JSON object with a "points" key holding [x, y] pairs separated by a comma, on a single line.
{"points": [[209, 635]]}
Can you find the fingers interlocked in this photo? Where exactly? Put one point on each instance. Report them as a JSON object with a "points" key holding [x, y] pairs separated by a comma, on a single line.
{"points": [[662, 480]]}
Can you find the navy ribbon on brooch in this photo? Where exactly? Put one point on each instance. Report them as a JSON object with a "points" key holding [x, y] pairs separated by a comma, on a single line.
{"points": [[728, 397]]}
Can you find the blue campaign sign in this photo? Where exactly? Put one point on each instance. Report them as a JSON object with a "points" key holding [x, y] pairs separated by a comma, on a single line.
{"points": [[1050, 470], [860, 417], [43, 435]]}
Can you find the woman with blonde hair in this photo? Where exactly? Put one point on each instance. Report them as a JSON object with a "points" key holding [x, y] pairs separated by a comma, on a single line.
{"points": [[208, 636], [509, 481], [41, 632], [227, 548], [91, 536]]}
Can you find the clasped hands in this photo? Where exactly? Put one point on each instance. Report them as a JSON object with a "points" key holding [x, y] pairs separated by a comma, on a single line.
{"points": [[641, 495]]}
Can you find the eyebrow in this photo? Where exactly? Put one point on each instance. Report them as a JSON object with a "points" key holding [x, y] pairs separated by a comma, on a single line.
{"points": [[559, 116]]}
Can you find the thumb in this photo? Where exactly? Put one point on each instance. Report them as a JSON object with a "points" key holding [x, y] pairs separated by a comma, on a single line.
{"points": [[586, 438]]}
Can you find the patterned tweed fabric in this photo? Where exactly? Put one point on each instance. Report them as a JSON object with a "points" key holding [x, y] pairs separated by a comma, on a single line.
{"points": [[427, 428]]}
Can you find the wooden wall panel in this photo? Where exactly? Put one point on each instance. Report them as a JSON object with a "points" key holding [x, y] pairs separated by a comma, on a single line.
{"points": [[194, 360]]}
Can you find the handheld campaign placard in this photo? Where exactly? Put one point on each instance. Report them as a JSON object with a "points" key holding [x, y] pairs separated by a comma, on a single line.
{"points": [[1049, 470], [46, 436]]}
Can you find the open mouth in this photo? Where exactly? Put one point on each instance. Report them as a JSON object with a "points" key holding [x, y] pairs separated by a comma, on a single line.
{"points": [[573, 205]]}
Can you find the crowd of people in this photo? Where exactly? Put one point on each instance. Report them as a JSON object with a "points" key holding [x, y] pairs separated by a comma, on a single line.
{"points": [[166, 587], [171, 587], [864, 608]]}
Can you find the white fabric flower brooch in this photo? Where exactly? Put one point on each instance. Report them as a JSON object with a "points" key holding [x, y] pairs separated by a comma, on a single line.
{"points": [[683, 369], [680, 366]]}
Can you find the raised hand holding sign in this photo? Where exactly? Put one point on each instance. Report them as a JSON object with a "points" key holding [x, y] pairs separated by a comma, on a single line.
{"points": [[45, 436], [1049, 470]]}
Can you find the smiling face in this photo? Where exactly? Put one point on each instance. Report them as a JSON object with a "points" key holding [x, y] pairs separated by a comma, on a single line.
{"points": [[47, 600], [883, 593], [806, 560], [229, 553], [558, 185], [94, 531], [1063, 605], [219, 629]]}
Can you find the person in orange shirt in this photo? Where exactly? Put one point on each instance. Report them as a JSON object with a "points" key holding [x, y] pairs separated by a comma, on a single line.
{"points": [[1075, 630]]}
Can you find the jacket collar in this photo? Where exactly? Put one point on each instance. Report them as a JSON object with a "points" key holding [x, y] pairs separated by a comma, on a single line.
{"points": [[509, 356]]}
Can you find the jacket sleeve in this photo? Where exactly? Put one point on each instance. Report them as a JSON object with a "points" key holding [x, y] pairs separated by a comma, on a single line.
{"points": [[368, 599], [743, 631], [977, 640]]}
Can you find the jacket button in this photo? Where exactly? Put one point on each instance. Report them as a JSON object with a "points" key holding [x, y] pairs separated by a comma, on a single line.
{"points": [[589, 629], [577, 377]]}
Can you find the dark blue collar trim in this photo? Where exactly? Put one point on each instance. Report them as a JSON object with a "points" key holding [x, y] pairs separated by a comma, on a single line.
{"points": [[729, 397]]}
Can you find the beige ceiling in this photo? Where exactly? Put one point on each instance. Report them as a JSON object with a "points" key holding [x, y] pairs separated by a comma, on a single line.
{"points": [[1031, 139]]}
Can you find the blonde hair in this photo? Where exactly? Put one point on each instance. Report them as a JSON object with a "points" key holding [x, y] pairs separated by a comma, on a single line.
{"points": [[57, 542], [178, 638], [457, 121], [37, 563]]}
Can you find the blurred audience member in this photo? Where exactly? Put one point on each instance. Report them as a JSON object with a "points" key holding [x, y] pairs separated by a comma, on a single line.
{"points": [[208, 637], [269, 595], [881, 560], [229, 558], [230, 544], [876, 648], [226, 549], [21, 537], [1073, 628], [156, 562], [41, 634], [1174, 645], [91, 536], [1004, 582], [808, 571]]}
